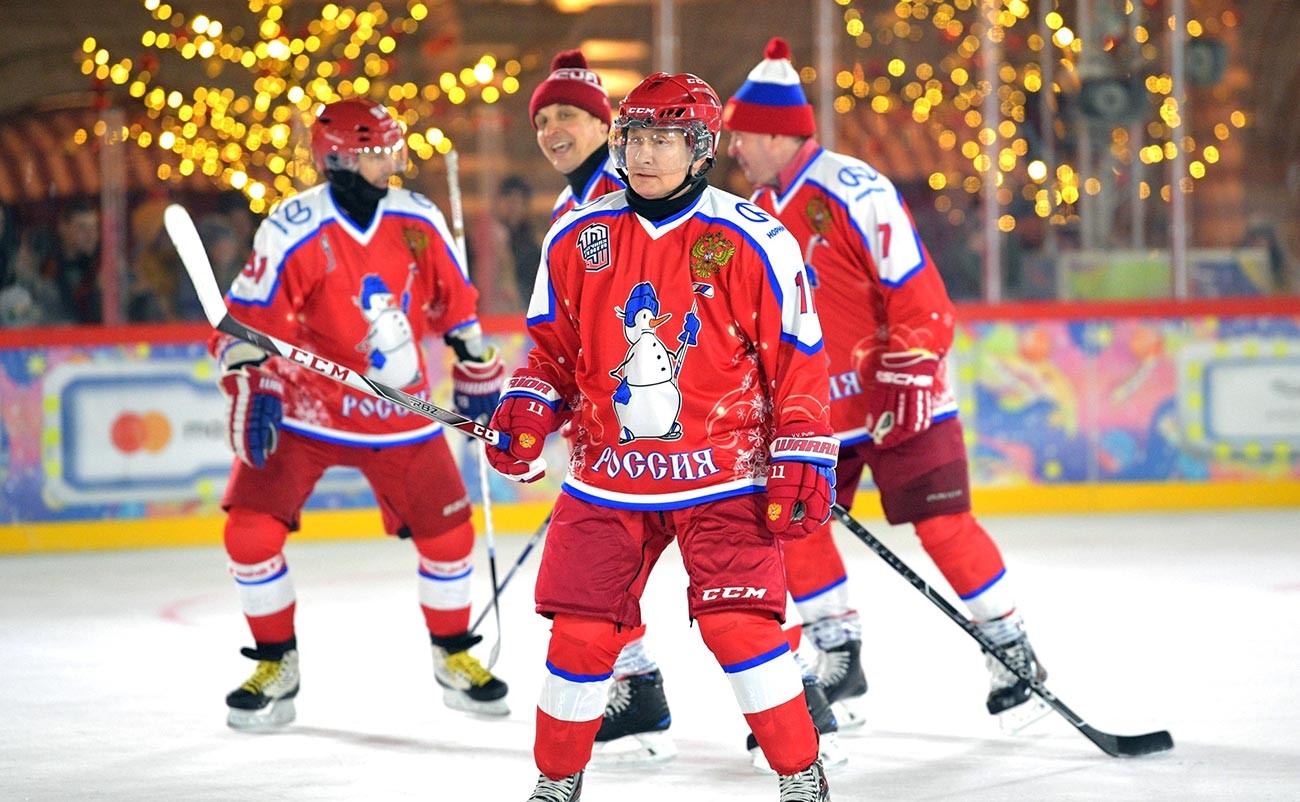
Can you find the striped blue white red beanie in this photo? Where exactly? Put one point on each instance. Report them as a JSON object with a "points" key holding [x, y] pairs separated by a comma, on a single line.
{"points": [[771, 101]]}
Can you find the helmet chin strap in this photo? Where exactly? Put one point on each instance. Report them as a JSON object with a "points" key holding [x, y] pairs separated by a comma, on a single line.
{"points": [[685, 194]]}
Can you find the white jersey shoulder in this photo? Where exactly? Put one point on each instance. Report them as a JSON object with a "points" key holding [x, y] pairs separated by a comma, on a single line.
{"points": [[876, 211], [779, 250]]}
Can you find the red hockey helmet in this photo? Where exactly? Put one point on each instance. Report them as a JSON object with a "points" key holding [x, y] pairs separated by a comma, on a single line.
{"points": [[683, 101], [346, 128]]}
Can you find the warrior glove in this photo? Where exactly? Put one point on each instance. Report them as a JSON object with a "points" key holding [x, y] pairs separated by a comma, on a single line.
{"points": [[901, 399], [801, 479], [254, 403], [476, 385], [525, 416]]}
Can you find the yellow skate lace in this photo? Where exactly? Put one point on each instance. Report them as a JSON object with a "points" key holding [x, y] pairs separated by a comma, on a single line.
{"points": [[265, 673], [468, 666]]}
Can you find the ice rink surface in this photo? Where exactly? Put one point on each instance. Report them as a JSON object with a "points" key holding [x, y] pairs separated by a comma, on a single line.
{"points": [[114, 665]]}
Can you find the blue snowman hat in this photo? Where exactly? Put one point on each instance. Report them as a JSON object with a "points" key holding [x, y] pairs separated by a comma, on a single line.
{"points": [[642, 297], [371, 286]]}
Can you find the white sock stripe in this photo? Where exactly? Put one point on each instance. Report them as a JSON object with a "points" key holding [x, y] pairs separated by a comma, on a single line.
{"points": [[767, 685], [633, 660], [445, 594], [569, 700], [443, 570], [264, 588]]}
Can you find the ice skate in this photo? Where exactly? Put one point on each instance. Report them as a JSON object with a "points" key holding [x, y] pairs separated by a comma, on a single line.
{"points": [[839, 670], [265, 701], [830, 753], [634, 729], [467, 685], [808, 785], [567, 790], [1010, 698]]}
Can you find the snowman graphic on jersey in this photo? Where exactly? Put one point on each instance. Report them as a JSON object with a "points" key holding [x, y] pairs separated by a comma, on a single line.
{"points": [[389, 345], [647, 400]]}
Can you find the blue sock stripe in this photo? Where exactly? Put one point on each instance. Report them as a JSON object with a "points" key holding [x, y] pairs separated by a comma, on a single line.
{"points": [[814, 594], [984, 587], [736, 668], [571, 677]]}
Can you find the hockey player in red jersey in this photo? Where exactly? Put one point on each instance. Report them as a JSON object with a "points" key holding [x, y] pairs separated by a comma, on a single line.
{"points": [[889, 325], [571, 115], [673, 322], [359, 272], [570, 111]]}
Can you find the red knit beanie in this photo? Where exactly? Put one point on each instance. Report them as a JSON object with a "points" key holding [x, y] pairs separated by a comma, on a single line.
{"points": [[771, 101], [573, 83]]}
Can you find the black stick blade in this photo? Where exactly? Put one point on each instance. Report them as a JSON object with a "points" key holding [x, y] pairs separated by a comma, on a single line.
{"points": [[1130, 745]]}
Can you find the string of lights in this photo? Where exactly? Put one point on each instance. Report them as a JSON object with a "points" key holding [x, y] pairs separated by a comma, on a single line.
{"points": [[917, 62], [243, 126]]}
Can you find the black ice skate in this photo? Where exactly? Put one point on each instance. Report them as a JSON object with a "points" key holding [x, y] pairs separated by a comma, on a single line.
{"points": [[634, 729], [567, 790], [830, 753], [1008, 693], [265, 700], [808, 785], [467, 685], [839, 670]]}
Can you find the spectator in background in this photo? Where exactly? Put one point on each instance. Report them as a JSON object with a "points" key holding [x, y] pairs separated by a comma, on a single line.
{"points": [[1264, 235], [73, 265], [159, 290], [23, 293], [228, 234], [513, 212]]}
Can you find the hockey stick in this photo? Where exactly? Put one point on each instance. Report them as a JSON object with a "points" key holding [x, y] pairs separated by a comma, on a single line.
{"points": [[523, 555], [190, 249], [489, 533], [1114, 745]]}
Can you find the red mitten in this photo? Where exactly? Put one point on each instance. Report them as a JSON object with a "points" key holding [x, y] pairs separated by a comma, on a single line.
{"points": [[801, 479], [525, 416], [901, 397], [476, 386], [254, 406]]}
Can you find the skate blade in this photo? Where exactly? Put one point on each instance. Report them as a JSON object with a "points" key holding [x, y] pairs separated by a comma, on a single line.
{"points": [[831, 753], [1019, 718], [270, 718], [640, 749], [459, 700], [850, 714]]}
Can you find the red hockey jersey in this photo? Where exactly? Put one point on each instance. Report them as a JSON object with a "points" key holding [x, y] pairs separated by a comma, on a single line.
{"points": [[602, 182], [364, 299], [680, 345], [877, 288]]}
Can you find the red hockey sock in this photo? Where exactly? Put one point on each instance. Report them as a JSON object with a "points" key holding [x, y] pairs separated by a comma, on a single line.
{"points": [[254, 542], [753, 651], [812, 563], [445, 570], [579, 667], [963, 552]]}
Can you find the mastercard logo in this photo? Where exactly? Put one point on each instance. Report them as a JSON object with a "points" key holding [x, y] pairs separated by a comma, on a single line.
{"points": [[134, 432]]}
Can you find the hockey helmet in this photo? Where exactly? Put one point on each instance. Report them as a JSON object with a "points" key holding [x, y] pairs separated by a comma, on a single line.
{"points": [[346, 128], [684, 102]]}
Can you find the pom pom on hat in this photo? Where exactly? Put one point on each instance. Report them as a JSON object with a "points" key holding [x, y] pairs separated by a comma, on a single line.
{"points": [[771, 101], [573, 83]]}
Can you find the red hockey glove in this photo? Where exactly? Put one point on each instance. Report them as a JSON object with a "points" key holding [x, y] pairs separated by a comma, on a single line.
{"points": [[901, 397], [476, 386], [254, 406], [801, 479], [526, 415]]}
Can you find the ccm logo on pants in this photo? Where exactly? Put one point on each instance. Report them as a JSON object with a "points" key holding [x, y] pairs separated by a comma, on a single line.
{"points": [[711, 594]]}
